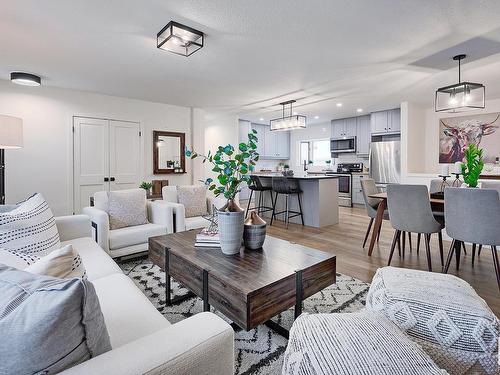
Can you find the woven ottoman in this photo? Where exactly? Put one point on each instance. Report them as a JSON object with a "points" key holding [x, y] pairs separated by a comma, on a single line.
{"points": [[353, 343], [443, 314]]}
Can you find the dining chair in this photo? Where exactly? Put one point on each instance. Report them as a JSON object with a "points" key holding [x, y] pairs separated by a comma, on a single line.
{"points": [[287, 187], [368, 188], [410, 211], [472, 215]]}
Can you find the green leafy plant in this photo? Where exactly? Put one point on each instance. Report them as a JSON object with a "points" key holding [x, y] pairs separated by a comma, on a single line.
{"points": [[146, 185], [232, 165], [286, 166], [473, 165], [328, 162]]}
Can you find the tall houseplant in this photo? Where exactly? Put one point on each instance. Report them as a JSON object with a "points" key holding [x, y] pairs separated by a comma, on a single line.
{"points": [[233, 168], [473, 166]]}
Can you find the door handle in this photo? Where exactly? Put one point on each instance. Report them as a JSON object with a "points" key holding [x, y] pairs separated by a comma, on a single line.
{"points": [[106, 179], [112, 179]]}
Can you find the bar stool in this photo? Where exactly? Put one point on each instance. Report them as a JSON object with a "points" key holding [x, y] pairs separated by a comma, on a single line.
{"points": [[283, 185], [257, 185]]}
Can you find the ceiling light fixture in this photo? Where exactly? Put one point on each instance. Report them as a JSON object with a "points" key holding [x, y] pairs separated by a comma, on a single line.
{"points": [[316, 117], [26, 79], [261, 119], [290, 122], [359, 110], [461, 96], [339, 105], [180, 39]]}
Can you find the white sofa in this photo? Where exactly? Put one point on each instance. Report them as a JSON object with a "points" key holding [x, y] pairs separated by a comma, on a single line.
{"points": [[142, 340], [128, 240], [183, 223]]}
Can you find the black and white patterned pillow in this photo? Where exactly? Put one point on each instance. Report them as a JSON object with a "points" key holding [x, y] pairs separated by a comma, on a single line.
{"points": [[28, 232]]}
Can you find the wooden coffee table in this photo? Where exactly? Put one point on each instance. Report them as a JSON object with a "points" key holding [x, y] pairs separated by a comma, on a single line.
{"points": [[249, 288]]}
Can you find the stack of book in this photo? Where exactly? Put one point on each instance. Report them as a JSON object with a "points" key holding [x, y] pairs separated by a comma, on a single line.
{"points": [[207, 239]]}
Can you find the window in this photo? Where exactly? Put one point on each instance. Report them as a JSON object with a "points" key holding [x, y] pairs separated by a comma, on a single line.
{"points": [[317, 151]]}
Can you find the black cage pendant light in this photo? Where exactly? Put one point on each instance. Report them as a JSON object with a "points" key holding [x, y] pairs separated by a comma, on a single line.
{"points": [[462, 96], [180, 39], [289, 122]]}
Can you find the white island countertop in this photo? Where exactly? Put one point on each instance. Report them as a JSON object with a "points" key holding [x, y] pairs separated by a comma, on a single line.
{"points": [[296, 177]]}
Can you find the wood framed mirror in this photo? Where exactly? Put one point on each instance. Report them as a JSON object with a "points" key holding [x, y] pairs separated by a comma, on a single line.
{"points": [[168, 152]]}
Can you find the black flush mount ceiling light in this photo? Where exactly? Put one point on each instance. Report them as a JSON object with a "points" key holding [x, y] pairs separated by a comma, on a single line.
{"points": [[289, 122], [462, 96], [180, 39], [25, 79]]}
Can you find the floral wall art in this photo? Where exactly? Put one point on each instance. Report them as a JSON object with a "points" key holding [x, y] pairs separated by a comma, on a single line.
{"points": [[456, 133]]}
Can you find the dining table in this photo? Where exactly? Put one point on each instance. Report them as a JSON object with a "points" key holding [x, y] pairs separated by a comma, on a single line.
{"points": [[437, 205]]}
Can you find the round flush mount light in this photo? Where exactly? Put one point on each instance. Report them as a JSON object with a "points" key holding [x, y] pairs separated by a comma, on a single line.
{"points": [[26, 79], [316, 117], [339, 105], [261, 119], [359, 110]]}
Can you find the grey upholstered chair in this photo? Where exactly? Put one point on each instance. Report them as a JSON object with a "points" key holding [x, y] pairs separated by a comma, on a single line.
{"points": [[368, 187], [410, 211], [472, 215]]}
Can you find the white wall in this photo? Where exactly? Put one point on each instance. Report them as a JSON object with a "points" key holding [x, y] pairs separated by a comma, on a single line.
{"points": [[420, 139], [45, 163]]}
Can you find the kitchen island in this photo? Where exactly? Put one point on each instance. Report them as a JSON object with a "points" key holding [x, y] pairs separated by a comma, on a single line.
{"points": [[319, 199]]}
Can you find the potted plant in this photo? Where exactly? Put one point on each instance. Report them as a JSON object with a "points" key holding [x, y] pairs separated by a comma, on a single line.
{"points": [[328, 164], [473, 166], [233, 168], [146, 186]]}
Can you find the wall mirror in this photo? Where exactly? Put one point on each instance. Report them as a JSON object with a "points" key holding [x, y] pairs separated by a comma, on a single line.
{"points": [[168, 152]]}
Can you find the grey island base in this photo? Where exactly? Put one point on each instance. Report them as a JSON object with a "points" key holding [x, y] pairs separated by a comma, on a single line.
{"points": [[319, 200]]}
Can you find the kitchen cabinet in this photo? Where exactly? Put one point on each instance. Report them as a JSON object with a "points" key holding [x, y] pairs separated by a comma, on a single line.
{"points": [[386, 121], [357, 192], [345, 127], [272, 144], [363, 135]]}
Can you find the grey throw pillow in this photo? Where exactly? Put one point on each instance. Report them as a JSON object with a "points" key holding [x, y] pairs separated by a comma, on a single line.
{"points": [[127, 208], [194, 199], [443, 314], [48, 324]]}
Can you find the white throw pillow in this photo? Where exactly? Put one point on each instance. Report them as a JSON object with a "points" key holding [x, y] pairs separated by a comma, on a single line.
{"points": [[28, 232], [194, 199], [127, 208], [63, 263]]}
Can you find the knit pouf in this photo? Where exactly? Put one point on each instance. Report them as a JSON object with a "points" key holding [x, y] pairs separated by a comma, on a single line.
{"points": [[443, 314], [353, 343]]}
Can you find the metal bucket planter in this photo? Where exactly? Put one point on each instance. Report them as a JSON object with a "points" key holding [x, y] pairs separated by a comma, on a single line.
{"points": [[230, 230], [254, 233]]}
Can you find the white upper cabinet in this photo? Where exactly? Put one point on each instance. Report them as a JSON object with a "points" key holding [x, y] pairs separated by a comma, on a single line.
{"points": [[350, 127], [386, 121], [363, 135], [272, 144], [345, 127]]}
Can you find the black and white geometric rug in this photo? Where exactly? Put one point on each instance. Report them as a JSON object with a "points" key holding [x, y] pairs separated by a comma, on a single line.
{"points": [[259, 351]]}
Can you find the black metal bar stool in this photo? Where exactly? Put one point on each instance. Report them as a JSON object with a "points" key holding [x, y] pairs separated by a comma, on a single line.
{"points": [[283, 185], [257, 185]]}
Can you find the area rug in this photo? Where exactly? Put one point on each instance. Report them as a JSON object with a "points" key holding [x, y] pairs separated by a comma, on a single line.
{"points": [[259, 351]]}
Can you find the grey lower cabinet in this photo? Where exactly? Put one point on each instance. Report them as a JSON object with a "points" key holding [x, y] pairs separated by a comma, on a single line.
{"points": [[272, 144], [357, 192], [386, 122]]}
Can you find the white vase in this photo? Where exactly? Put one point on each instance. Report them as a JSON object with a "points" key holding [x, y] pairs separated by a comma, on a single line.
{"points": [[230, 231]]}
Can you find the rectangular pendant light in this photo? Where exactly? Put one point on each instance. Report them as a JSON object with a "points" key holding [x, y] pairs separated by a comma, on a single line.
{"points": [[288, 122], [179, 39]]}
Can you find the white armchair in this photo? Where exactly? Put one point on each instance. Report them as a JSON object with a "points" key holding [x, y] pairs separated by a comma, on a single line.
{"points": [[132, 239]]}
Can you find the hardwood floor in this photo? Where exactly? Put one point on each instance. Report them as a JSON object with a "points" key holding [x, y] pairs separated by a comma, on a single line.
{"points": [[345, 241]]}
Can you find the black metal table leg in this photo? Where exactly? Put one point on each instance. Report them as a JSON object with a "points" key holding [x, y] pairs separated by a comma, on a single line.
{"points": [[298, 293], [169, 301], [206, 305]]}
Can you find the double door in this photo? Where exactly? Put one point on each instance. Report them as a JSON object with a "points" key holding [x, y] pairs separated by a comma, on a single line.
{"points": [[106, 156]]}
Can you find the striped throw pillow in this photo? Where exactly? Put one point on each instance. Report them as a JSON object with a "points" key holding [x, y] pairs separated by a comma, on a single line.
{"points": [[28, 232]]}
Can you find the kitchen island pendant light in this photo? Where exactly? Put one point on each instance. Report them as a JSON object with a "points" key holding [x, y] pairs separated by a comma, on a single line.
{"points": [[289, 122], [462, 96]]}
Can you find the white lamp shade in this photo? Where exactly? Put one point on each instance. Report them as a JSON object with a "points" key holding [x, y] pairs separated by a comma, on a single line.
{"points": [[11, 132]]}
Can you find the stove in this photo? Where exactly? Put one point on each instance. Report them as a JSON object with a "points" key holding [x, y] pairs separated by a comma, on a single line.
{"points": [[344, 172]]}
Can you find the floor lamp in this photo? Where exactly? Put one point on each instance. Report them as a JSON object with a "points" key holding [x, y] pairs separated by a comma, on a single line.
{"points": [[11, 136]]}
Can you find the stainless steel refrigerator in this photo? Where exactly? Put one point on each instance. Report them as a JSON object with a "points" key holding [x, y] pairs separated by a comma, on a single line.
{"points": [[385, 162]]}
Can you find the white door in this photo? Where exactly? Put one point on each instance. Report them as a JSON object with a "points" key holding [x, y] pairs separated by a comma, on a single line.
{"points": [[90, 159], [124, 155]]}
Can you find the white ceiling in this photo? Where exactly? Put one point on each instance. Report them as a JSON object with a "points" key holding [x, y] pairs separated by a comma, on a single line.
{"points": [[365, 54]]}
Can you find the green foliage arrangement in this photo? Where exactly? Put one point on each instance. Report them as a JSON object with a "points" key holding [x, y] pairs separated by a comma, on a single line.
{"points": [[233, 166], [473, 165], [146, 185]]}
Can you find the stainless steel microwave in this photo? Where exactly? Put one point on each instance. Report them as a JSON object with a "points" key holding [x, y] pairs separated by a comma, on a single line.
{"points": [[343, 145]]}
